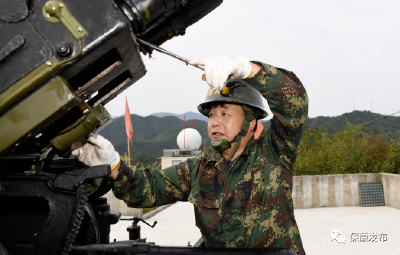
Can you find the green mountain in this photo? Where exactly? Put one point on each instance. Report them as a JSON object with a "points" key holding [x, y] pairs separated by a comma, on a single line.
{"points": [[389, 125], [151, 134], [188, 115], [191, 115]]}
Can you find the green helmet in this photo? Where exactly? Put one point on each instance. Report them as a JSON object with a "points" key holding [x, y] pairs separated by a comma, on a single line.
{"points": [[238, 92]]}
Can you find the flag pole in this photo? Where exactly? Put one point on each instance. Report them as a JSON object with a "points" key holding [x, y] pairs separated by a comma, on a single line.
{"points": [[129, 129], [129, 154]]}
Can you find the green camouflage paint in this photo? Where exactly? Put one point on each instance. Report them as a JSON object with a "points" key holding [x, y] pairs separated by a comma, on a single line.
{"points": [[251, 204]]}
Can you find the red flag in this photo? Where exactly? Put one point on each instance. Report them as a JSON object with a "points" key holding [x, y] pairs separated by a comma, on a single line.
{"points": [[260, 128], [128, 122]]}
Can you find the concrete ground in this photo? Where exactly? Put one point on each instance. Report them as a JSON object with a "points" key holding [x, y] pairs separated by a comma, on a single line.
{"points": [[176, 227], [316, 224]]}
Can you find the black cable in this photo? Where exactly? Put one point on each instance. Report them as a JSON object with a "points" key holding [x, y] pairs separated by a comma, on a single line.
{"points": [[378, 119]]}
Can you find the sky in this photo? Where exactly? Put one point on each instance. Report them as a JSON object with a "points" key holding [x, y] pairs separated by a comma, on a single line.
{"points": [[346, 53]]}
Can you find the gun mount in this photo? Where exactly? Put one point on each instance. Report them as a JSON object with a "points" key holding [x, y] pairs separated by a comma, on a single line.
{"points": [[74, 57], [60, 63]]}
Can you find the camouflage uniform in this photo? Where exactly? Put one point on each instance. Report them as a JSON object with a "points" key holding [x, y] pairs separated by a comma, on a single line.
{"points": [[251, 204]]}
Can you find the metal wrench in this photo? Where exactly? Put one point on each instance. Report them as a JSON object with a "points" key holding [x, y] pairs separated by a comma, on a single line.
{"points": [[154, 47]]}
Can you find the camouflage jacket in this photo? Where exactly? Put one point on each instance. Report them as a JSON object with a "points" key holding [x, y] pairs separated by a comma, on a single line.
{"points": [[251, 204]]}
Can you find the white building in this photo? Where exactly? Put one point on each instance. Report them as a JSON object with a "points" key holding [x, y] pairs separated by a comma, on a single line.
{"points": [[189, 142]]}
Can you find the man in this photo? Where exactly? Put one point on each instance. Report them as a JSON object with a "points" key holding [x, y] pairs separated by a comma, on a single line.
{"points": [[242, 191]]}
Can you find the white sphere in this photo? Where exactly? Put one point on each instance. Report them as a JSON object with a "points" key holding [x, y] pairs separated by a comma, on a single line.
{"points": [[189, 139]]}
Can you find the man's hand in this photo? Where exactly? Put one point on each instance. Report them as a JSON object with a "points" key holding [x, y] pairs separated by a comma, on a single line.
{"points": [[220, 68], [97, 151]]}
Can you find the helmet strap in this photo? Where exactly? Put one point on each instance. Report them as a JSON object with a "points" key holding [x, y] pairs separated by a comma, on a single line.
{"points": [[243, 131]]}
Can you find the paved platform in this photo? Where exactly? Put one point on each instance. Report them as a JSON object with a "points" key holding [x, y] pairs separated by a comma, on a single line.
{"points": [[176, 227], [316, 224]]}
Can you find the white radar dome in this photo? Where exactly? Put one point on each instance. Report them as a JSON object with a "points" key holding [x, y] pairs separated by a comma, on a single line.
{"points": [[189, 139]]}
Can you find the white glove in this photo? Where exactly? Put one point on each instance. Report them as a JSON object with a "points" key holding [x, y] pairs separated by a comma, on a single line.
{"points": [[219, 68], [97, 151]]}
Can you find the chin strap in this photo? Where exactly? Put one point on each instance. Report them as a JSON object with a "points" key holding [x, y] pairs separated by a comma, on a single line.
{"points": [[243, 131], [220, 145]]}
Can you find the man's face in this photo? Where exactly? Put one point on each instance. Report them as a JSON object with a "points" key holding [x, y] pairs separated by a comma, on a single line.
{"points": [[225, 121]]}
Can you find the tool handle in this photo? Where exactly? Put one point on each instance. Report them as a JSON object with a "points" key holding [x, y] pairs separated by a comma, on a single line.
{"points": [[203, 77]]}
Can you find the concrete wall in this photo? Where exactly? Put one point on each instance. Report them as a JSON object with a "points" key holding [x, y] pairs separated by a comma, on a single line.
{"points": [[315, 191], [341, 189], [391, 189], [119, 205]]}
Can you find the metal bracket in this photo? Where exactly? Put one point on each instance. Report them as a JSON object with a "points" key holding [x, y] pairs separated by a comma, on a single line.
{"points": [[69, 180], [56, 11], [12, 46]]}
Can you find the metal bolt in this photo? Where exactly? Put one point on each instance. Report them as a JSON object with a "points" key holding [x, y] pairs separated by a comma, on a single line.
{"points": [[86, 95], [61, 5], [63, 50], [79, 29], [48, 63], [47, 15]]}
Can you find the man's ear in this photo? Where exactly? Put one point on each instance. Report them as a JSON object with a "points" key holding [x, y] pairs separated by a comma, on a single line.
{"points": [[252, 125]]}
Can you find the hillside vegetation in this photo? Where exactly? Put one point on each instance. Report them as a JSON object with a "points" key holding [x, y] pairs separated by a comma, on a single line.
{"points": [[339, 145], [390, 126], [186, 115], [142, 160], [152, 134], [348, 150]]}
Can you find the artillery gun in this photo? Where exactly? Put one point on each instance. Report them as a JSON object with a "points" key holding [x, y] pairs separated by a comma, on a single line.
{"points": [[60, 63]]}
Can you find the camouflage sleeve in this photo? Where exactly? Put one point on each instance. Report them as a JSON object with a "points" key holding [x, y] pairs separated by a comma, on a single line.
{"points": [[288, 101], [151, 187]]}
